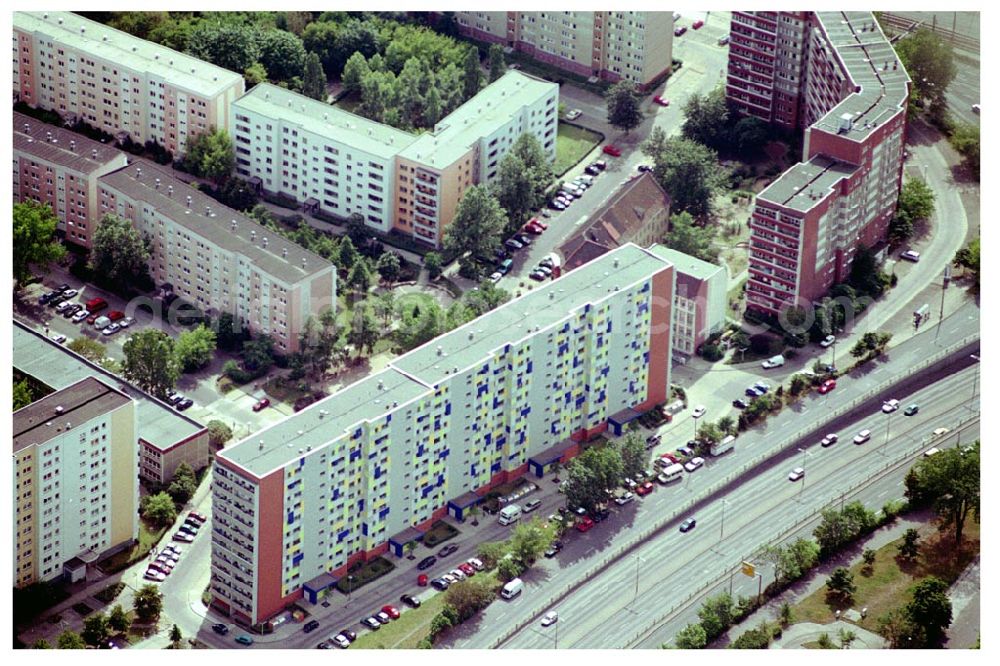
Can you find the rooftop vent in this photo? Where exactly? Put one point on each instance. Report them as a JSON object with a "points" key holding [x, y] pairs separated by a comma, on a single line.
{"points": [[60, 21], [104, 38], [253, 235], [616, 263], [260, 445], [170, 190], [440, 351], [264, 240], [189, 200], [303, 263], [471, 335], [233, 225], [93, 153], [138, 173], [59, 409], [157, 183], [284, 252], [846, 121], [301, 432]]}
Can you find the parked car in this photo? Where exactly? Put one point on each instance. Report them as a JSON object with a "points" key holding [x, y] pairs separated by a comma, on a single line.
{"points": [[796, 474], [671, 457], [111, 329], [372, 623], [457, 574], [439, 584], [694, 464], [585, 524], [410, 601], [739, 403], [554, 549], [684, 452], [183, 536], [698, 412], [495, 277], [422, 580], [447, 550], [340, 640], [911, 409], [62, 305], [243, 639], [829, 440], [753, 392], [184, 404], [661, 101], [505, 266], [544, 270], [154, 575], [512, 244], [644, 489], [827, 341], [863, 436], [220, 629], [644, 168], [910, 255], [476, 563], [188, 528], [261, 404], [200, 517], [679, 30], [624, 499], [827, 386], [426, 563], [890, 406], [723, 40], [523, 239], [573, 114], [177, 550], [310, 626], [688, 525], [391, 611], [555, 204], [536, 275], [938, 432], [126, 322], [612, 150], [697, 24], [349, 635], [448, 578], [58, 338], [80, 316]]}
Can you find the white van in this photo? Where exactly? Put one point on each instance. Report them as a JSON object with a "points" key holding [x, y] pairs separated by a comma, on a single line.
{"points": [[671, 473], [773, 362], [510, 514], [725, 446], [512, 589]]}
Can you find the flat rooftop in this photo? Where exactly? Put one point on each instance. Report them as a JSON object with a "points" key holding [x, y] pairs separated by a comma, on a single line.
{"points": [[805, 184], [178, 69], [59, 412], [540, 308], [685, 263], [872, 65], [328, 121], [51, 363], [492, 107], [149, 182], [60, 146], [323, 421]]}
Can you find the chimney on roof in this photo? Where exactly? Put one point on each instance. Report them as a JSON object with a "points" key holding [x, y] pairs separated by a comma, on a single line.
{"points": [[170, 190], [440, 351], [208, 209], [303, 263], [845, 124], [381, 385], [26, 127], [265, 242], [72, 145], [894, 64], [253, 235], [189, 201], [284, 253], [233, 225], [157, 185], [93, 153], [138, 173], [260, 445], [59, 409]]}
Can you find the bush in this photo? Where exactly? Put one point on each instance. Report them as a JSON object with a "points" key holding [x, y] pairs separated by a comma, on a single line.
{"points": [[711, 352], [364, 574]]}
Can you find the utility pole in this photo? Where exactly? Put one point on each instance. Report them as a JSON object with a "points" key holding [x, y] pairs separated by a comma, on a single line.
{"points": [[723, 524], [944, 287], [888, 417]]}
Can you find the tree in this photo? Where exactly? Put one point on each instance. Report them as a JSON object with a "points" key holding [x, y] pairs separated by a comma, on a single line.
{"points": [[95, 629], [509, 568], [232, 45], [237, 193], [434, 264], [175, 635], [360, 278], [347, 254], [384, 306], [150, 361], [706, 119], [916, 202], [497, 65], [901, 632], [753, 639], [691, 637], [70, 640], [965, 139], [476, 228], [869, 557], [159, 509], [727, 425], [22, 394], [491, 552], [420, 325], [749, 134], [118, 252], [606, 464], [785, 614], [687, 170], [227, 335], [536, 163], [314, 79], [930, 63], [356, 70], [840, 584], [218, 433], [211, 155], [582, 488], [41, 644], [364, 331], [183, 484], [282, 54], [258, 354], [910, 547], [867, 275], [468, 597], [930, 609], [354, 35], [487, 296], [634, 455], [824, 642], [33, 239], [716, 615], [528, 541], [148, 603], [118, 620], [951, 481], [515, 191], [968, 257], [389, 267], [458, 313], [194, 349], [623, 102], [473, 78]]}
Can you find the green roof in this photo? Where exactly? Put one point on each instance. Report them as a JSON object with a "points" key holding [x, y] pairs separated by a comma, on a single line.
{"points": [[178, 69], [325, 120]]}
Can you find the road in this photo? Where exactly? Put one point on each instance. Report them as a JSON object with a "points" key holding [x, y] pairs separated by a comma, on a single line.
{"points": [[613, 609]]}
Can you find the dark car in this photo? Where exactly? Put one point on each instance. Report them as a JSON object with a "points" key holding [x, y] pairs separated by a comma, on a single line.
{"points": [[410, 601], [752, 392], [439, 584], [311, 625], [554, 548], [645, 168], [688, 525], [72, 310], [220, 629], [184, 404], [174, 398], [427, 563], [740, 403], [372, 623], [600, 514], [447, 550], [680, 30]]}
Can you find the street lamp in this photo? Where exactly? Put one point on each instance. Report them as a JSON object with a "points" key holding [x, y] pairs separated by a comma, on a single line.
{"points": [[723, 524], [350, 587], [888, 417], [975, 378], [804, 453]]}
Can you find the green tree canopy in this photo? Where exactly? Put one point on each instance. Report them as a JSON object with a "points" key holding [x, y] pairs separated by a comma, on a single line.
{"points": [[314, 78], [34, 238], [687, 170], [231, 45], [470, 596], [691, 637], [195, 348], [716, 615], [433, 263], [515, 191], [282, 54], [389, 267], [930, 608], [183, 484], [473, 79], [150, 361], [706, 119], [582, 488], [70, 640], [159, 509], [930, 63], [633, 453], [497, 65], [211, 155], [356, 70], [476, 228], [95, 629], [950, 480], [686, 236], [623, 102], [118, 620], [841, 584], [41, 644], [258, 354], [364, 332], [119, 253], [22, 394], [148, 603], [528, 541], [218, 433]]}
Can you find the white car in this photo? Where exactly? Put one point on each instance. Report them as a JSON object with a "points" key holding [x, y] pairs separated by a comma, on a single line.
{"points": [[940, 431], [550, 618], [63, 305], [698, 412], [573, 114], [457, 574], [624, 499], [58, 338], [910, 255], [111, 329], [476, 563], [126, 322], [931, 452], [448, 578], [694, 463], [827, 341], [890, 406], [829, 440], [80, 316], [153, 574], [70, 293], [341, 641], [495, 277], [796, 474], [862, 436]]}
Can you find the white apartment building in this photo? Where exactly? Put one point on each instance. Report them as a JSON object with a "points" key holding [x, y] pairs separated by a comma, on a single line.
{"points": [[217, 258], [76, 483], [116, 82]]}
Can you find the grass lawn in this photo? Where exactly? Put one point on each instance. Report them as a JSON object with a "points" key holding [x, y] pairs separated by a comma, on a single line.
{"points": [[284, 390], [411, 627], [885, 587], [407, 301], [572, 145], [148, 537]]}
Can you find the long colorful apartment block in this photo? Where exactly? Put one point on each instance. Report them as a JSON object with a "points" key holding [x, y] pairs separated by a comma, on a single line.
{"points": [[118, 83], [307, 497], [334, 161], [60, 168], [837, 75]]}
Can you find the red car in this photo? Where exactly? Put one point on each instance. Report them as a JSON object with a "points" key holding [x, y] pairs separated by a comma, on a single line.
{"points": [[644, 489], [827, 386], [467, 569], [538, 223], [422, 580], [391, 611], [261, 404], [614, 151], [671, 457], [533, 229], [585, 524], [697, 24], [661, 101], [197, 516]]}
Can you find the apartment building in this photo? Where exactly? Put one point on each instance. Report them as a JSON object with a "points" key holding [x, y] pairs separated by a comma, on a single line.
{"points": [[335, 483], [164, 437], [700, 300], [466, 148], [850, 95], [635, 46], [217, 258], [60, 168], [118, 83], [76, 491], [331, 160]]}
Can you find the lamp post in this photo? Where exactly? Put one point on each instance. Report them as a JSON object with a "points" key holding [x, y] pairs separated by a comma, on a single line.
{"points": [[635, 594], [975, 378], [804, 454], [722, 525], [888, 418]]}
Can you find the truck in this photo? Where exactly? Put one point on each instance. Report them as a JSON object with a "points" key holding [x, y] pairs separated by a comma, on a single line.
{"points": [[773, 362], [510, 514], [512, 589], [723, 447], [96, 305]]}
